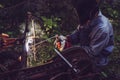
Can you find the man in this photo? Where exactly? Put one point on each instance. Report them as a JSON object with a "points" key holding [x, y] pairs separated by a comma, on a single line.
{"points": [[94, 33]]}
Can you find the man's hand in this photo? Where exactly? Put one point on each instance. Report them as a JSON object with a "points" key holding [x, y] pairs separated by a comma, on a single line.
{"points": [[62, 42]]}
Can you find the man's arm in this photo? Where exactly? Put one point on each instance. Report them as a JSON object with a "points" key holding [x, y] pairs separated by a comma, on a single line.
{"points": [[99, 40], [74, 37]]}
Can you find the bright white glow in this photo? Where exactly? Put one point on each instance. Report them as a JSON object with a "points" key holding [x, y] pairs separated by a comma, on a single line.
{"points": [[28, 44]]}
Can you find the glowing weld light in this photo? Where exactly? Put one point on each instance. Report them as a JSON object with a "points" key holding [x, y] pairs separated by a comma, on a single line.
{"points": [[28, 43]]}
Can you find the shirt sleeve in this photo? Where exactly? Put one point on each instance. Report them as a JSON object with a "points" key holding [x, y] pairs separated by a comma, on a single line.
{"points": [[74, 37], [99, 39]]}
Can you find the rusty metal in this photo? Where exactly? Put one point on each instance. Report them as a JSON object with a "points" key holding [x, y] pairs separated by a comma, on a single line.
{"points": [[77, 56], [47, 71], [52, 68]]}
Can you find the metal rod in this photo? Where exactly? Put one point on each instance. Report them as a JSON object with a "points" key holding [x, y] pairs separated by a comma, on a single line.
{"points": [[70, 65], [44, 41]]}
